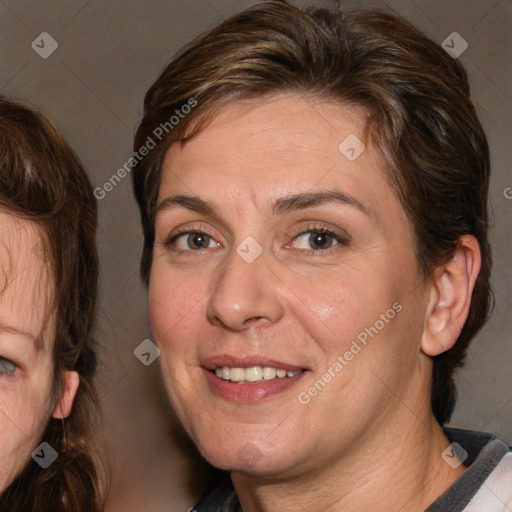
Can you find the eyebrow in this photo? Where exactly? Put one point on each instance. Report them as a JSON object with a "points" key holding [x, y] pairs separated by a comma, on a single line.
{"points": [[14, 330], [282, 205]]}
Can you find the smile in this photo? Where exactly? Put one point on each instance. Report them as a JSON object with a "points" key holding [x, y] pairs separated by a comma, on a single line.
{"points": [[252, 374]]}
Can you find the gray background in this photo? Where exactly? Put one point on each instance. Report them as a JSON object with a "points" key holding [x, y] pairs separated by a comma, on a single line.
{"points": [[109, 53]]}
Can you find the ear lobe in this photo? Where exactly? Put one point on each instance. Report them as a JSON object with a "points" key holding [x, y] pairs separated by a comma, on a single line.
{"points": [[452, 288], [65, 403]]}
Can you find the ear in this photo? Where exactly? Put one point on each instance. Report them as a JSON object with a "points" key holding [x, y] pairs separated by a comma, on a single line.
{"points": [[65, 403], [450, 297]]}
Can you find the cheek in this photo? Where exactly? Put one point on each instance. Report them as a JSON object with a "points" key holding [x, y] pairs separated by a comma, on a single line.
{"points": [[24, 414], [360, 318], [337, 306], [21, 418], [175, 309], [27, 403]]}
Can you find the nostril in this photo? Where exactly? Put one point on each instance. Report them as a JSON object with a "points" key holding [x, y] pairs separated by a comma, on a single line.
{"points": [[252, 318]]}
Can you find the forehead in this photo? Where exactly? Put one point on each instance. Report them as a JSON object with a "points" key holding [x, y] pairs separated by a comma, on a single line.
{"points": [[25, 285], [285, 125], [259, 150]]}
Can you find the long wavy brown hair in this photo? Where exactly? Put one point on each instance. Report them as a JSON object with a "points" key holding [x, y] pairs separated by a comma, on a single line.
{"points": [[42, 179]]}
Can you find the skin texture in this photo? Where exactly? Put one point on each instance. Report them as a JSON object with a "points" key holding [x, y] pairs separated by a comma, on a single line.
{"points": [[27, 330], [368, 439]]}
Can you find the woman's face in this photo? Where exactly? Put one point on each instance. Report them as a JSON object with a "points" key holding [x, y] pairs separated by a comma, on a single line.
{"points": [[278, 248], [25, 347]]}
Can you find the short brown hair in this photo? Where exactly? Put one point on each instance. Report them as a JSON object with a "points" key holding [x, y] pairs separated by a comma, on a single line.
{"points": [[421, 119], [42, 179]]}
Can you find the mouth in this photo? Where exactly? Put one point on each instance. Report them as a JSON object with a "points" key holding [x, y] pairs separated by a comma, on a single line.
{"points": [[253, 374], [250, 379]]}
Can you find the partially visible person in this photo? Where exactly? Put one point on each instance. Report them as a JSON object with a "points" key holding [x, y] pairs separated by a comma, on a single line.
{"points": [[48, 292]]}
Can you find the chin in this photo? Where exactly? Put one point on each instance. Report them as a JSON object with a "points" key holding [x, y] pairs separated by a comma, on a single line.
{"points": [[248, 455], [249, 460]]}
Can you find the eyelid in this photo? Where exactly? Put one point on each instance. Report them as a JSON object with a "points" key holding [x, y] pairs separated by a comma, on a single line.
{"points": [[322, 228], [342, 239], [186, 230]]}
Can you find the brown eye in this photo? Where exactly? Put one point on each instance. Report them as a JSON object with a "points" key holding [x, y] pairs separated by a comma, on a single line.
{"points": [[191, 240], [318, 240], [321, 240], [198, 240]]}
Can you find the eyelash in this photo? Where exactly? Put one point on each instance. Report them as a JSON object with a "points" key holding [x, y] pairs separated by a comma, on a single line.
{"points": [[310, 229]]}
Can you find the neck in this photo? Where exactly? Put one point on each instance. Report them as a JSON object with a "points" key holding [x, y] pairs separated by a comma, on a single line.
{"points": [[399, 468]]}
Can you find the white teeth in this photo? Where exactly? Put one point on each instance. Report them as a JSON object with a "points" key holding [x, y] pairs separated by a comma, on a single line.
{"points": [[253, 373], [269, 373], [237, 374]]}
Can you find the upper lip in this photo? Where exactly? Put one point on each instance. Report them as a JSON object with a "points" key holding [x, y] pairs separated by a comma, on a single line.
{"points": [[247, 361]]}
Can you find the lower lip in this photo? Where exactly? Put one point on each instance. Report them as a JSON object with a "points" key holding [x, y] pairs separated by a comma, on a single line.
{"points": [[249, 393]]}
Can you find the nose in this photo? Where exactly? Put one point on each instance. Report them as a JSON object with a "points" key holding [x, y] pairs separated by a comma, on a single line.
{"points": [[245, 294]]}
